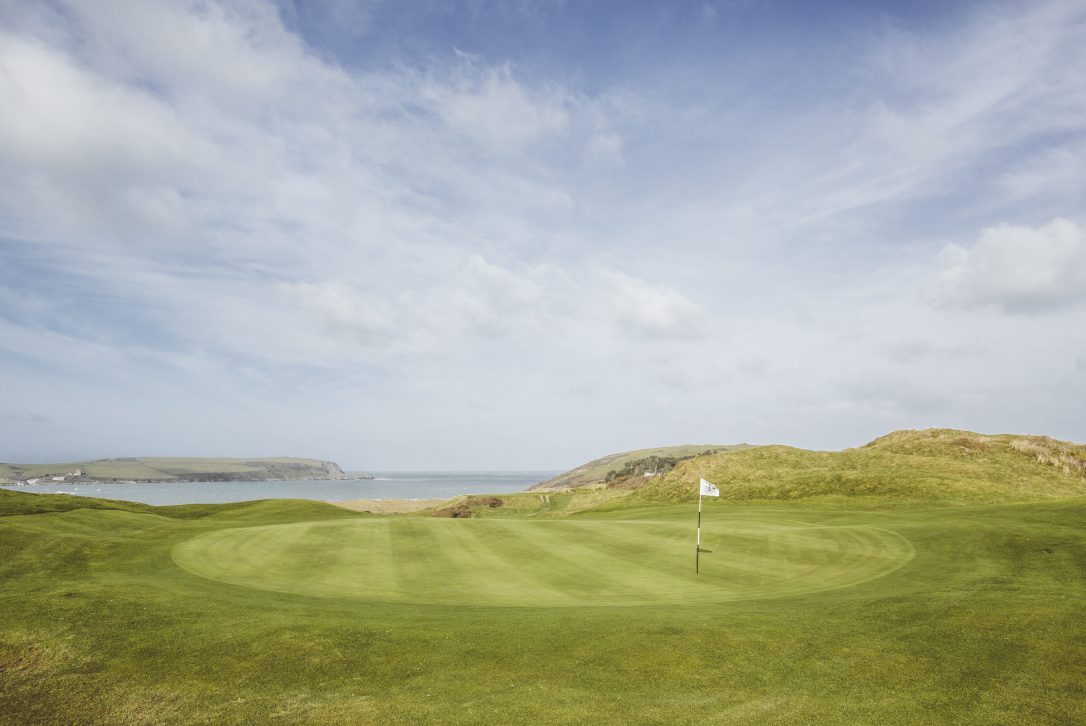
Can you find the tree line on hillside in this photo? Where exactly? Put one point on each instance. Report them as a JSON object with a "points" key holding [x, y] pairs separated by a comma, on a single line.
{"points": [[649, 466]]}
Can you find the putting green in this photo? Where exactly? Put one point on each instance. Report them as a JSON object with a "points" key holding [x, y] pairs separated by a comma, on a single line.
{"points": [[549, 563]]}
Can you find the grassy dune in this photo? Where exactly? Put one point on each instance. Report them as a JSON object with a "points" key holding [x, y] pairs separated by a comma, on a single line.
{"points": [[929, 465], [594, 472], [290, 611]]}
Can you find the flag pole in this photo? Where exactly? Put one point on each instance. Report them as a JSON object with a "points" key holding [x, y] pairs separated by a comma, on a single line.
{"points": [[697, 555], [704, 488]]}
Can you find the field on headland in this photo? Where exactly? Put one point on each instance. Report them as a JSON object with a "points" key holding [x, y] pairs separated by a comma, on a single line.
{"points": [[569, 607], [176, 468]]}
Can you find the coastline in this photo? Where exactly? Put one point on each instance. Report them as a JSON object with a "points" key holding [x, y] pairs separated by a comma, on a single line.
{"points": [[407, 486], [226, 478]]}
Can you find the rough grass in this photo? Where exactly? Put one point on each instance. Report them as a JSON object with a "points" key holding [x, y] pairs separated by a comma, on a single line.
{"points": [[932, 465], [534, 504], [982, 625]]}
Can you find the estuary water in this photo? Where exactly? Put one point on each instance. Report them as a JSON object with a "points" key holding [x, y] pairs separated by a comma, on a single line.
{"points": [[384, 485]]}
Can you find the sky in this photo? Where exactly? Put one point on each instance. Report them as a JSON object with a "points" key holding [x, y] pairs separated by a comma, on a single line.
{"points": [[521, 234]]}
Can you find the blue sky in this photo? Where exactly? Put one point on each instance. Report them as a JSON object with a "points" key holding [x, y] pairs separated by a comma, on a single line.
{"points": [[524, 234]]}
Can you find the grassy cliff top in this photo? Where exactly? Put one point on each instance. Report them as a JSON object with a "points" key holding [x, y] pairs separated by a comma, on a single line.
{"points": [[167, 468], [937, 464]]}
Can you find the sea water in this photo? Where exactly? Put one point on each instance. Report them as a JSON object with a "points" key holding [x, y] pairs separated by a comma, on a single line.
{"points": [[384, 485]]}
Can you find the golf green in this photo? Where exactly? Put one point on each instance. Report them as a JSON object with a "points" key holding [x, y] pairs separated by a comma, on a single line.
{"points": [[549, 563]]}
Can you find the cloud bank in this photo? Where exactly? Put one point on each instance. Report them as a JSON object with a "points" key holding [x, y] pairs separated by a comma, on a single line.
{"points": [[1018, 268], [241, 227]]}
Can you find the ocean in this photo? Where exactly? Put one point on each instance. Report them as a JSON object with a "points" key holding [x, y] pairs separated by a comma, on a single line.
{"points": [[384, 485]]}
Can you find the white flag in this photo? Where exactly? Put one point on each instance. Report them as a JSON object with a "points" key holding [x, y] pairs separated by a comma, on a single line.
{"points": [[709, 490]]}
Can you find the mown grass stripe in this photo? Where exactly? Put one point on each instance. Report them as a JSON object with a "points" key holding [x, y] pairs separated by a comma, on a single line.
{"points": [[511, 562], [560, 567]]}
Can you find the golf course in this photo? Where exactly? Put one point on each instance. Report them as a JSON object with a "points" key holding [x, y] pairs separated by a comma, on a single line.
{"points": [[899, 606], [538, 362]]}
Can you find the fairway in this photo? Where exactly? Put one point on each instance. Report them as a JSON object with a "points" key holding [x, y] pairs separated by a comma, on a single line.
{"points": [[543, 563]]}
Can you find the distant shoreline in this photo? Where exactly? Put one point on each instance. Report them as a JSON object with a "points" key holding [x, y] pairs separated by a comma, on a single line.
{"points": [[383, 486], [167, 470], [69, 481]]}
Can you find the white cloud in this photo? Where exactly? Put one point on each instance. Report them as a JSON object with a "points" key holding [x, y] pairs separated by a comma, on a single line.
{"points": [[651, 308], [881, 390], [496, 111], [74, 122], [225, 56], [1004, 77], [477, 315], [1053, 172], [494, 301], [1017, 268], [250, 185], [503, 283], [343, 307], [605, 147], [937, 107], [912, 350]]}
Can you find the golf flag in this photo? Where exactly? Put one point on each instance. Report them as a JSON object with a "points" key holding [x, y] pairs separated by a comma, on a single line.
{"points": [[706, 490]]}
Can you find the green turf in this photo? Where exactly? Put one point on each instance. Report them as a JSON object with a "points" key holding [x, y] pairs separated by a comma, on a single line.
{"points": [[550, 562], [972, 614]]}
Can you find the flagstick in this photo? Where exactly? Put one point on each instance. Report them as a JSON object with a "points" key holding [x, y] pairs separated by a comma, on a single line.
{"points": [[697, 556]]}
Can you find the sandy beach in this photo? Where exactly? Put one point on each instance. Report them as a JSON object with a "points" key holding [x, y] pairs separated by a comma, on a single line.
{"points": [[389, 506]]}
